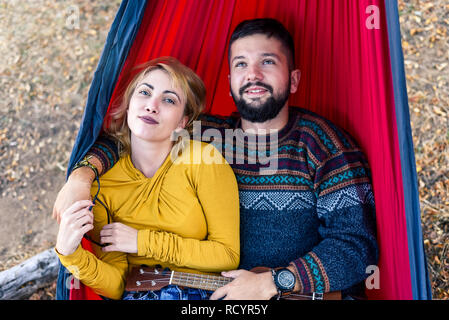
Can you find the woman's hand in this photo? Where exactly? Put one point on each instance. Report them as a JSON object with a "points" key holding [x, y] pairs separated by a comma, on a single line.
{"points": [[119, 237], [75, 222]]}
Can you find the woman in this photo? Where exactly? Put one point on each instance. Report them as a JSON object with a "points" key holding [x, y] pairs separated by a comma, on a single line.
{"points": [[168, 208]]}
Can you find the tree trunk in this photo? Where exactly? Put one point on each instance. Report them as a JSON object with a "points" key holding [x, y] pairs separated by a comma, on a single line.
{"points": [[23, 280]]}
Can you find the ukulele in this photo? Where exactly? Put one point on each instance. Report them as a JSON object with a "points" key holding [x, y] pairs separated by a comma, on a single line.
{"points": [[145, 278]]}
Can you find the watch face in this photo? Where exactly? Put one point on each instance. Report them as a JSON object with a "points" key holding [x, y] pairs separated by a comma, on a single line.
{"points": [[286, 279]]}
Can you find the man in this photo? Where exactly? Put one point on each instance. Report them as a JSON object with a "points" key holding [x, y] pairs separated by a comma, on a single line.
{"points": [[310, 219]]}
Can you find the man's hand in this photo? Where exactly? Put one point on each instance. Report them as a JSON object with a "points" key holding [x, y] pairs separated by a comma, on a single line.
{"points": [[246, 285], [119, 237], [76, 188], [75, 222]]}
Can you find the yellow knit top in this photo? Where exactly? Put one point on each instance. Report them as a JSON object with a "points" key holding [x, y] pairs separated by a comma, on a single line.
{"points": [[187, 216]]}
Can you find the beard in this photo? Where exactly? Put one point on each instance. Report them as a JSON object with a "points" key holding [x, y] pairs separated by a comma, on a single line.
{"points": [[262, 111]]}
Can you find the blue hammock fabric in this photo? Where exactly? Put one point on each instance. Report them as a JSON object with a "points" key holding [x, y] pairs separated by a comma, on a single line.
{"points": [[420, 279], [118, 44]]}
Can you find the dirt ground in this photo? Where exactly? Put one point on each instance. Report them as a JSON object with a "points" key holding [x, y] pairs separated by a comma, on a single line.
{"points": [[49, 51]]}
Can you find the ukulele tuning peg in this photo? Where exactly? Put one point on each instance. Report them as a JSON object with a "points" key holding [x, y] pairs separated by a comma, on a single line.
{"points": [[141, 271], [138, 283]]}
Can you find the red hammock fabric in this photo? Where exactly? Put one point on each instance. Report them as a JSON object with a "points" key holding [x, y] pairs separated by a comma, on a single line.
{"points": [[346, 77]]}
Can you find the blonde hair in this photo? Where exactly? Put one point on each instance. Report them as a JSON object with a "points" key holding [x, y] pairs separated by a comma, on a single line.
{"points": [[189, 82]]}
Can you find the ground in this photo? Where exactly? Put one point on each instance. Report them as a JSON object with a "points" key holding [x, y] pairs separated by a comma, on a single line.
{"points": [[49, 52]]}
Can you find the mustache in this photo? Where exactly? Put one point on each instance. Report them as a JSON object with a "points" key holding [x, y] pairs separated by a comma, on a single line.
{"points": [[258, 83]]}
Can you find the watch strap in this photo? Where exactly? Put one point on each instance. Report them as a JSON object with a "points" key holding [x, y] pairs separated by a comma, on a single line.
{"points": [[273, 275]]}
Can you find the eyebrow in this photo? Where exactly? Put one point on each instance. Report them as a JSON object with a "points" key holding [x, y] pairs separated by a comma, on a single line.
{"points": [[238, 57], [267, 54], [166, 91], [271, 55]]}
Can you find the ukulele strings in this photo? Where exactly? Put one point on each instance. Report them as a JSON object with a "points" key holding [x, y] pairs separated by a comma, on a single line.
{"points": [[183, 277]]}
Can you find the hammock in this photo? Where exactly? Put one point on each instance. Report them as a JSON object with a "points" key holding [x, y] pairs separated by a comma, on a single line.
{"points": [[350, 56]]}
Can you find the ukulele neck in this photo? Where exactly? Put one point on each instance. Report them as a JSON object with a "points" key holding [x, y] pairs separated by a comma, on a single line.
{"points": [[199, 281]]}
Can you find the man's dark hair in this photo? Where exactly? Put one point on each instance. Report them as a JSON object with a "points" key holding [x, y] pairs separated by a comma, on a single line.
{"points": [[270, 28]]}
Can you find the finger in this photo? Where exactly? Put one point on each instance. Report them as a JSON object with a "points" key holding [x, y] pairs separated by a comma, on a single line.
{"points": [[83, 221], [232, 273], [113, 225], [109, 229], [108, 239], [81, 204], [86, 228], [110, 248], [75, 217], [77, 206], [219, 293], [83, 213], [106, 232]]}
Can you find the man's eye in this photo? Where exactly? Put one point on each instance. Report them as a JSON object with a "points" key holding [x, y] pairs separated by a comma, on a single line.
{"points": [[240, 64], [268, 62]]}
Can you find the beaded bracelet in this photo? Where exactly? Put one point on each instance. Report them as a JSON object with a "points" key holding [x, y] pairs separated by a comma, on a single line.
{"points": [[85, 163]]}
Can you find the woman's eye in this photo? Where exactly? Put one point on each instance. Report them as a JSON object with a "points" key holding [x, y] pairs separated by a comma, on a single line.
{"points": [[240, 64], [144, 92], [171, 101]]}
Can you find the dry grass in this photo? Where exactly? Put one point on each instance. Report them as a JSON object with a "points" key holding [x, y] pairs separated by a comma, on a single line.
{"points": [[424, 26]]}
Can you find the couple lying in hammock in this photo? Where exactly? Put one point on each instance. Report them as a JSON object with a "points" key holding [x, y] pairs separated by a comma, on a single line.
{"points": [[311, 220]]}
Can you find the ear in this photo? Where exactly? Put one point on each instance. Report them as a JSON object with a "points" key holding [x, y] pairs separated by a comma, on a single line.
{"points": [[295, 76], [182, 124]]}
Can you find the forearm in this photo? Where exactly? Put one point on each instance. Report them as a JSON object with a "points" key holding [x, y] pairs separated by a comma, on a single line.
{"points": [[106, 279], [86, 174], [202, 255], [103, 155], [340, 260]]}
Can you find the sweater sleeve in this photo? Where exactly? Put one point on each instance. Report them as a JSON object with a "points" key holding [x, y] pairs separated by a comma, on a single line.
{"points": [[106, 150], [345, 208], [104, 272], [217, 191]]}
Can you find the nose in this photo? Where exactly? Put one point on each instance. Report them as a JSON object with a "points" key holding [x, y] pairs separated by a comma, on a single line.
{"points": [[254, 73], [152, 106]]}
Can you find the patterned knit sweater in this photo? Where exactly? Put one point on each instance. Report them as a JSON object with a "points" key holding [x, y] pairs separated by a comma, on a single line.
{"points": [[305, 197]]}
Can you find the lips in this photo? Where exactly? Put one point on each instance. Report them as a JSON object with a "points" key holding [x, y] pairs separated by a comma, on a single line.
{"points": [[148, 120], [255, 89]]}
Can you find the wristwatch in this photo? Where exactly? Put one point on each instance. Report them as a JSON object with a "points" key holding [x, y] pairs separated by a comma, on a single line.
{"points": [[85, 163], [284, 280]]}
